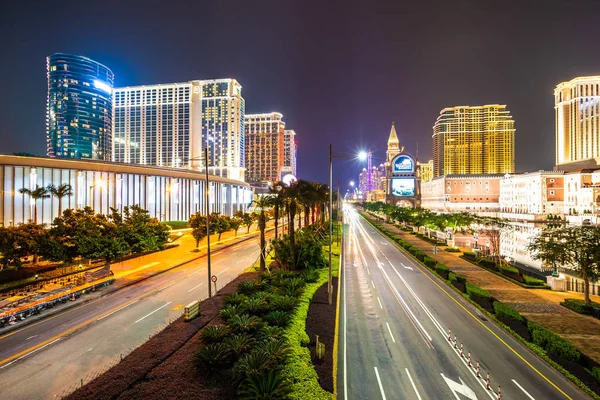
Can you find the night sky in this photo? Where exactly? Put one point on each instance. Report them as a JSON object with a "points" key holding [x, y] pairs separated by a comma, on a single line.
{"points": [[340, 72]]}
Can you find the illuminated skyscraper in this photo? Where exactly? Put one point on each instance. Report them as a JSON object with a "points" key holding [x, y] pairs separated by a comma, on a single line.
{"points": [[289, 153], [577, 109], [264, 146], [474, 140], [79, 108], [171, 124]]}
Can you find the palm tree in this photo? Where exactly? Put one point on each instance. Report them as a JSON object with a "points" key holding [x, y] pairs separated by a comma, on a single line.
{"points": [[291, 196], [277, 202], [262, 203], [321, 199], [35, 195], [306, 197], [60, 191]]}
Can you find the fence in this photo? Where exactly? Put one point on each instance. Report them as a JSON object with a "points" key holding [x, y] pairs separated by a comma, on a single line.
{"points": [[576, 285]]}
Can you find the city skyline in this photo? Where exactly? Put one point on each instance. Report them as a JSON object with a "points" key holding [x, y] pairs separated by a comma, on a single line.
{"points": [[319, 83]]}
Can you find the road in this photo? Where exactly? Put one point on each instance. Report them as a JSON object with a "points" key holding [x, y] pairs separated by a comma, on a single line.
{"points": [[44, 359], [395, 317]]}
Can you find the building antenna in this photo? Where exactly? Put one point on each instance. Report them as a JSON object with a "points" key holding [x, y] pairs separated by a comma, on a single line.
{"points": [[417, 158]]}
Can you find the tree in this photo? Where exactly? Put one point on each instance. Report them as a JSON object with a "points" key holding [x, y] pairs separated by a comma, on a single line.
{"points": [[30, 238], [139, 230], [276, 200], [577, 248], [35, 195], [234, 223], [262, 203], [100, 238], [198, 224], [11, 249], [291, 196], [247, 220], [60, 191], [219, 224], [492, 228]]}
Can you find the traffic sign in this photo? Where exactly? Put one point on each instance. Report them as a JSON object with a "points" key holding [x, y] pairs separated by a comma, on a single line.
{"points": [[213, 278]]}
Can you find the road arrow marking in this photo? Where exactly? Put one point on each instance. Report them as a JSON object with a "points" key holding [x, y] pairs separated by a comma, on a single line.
{"points": [[459, 388], [407, 267]]}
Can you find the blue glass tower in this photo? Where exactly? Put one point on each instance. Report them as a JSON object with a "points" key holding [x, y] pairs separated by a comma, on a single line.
{"points": [[79, 108]]}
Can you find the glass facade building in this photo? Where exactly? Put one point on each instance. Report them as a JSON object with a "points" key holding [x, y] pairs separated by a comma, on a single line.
{"points": [[79, 108], [264, 143], [474, 140], [289, 153]]}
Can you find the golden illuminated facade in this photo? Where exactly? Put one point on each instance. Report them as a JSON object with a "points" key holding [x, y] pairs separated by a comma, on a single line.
{"points": [[264, 146], [474, 140], [425, 170], [577, 108]]}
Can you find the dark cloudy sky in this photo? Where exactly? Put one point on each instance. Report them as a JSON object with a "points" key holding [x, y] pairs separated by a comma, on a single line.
{"points": [[340, 72]]}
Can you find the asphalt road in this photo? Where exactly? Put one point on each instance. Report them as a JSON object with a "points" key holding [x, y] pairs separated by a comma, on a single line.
{"points": [[42, 360], [395, 318]]}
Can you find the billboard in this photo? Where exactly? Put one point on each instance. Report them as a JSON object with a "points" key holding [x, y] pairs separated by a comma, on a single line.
{"points": [[403, 163], [403, 187]]}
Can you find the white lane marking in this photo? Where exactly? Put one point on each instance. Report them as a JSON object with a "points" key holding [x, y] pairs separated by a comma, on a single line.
{"points": [[380, 306], [368, 272], [194, 273], [406, 266], [390, 331], [237, 246], [460, 388], [412, 383], [30, 353], [239, 261], [195, 287], [90, 349], [345, 337], [373, 284], [524, 391], [164, 287], [214, 254], [118, 309], [380, 386], [31, 337], [149, 314], [384, 243], [219, 273]]}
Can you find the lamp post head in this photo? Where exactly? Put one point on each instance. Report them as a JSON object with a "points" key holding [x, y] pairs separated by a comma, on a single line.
{"points": [[362, 155]]}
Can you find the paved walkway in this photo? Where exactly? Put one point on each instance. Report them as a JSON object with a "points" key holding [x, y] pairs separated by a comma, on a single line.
{"points": [[537, 305]]}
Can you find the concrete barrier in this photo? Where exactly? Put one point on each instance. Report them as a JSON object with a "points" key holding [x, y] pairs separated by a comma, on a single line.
{"points": [[191, 311]]}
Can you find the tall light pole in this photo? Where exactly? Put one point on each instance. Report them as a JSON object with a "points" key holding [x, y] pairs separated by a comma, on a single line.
{"points": [[207, 219], [361, 156]]}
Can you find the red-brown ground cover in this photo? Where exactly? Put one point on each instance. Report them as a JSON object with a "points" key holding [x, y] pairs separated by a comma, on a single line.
{"points": [[321, 321], [162, 367]]}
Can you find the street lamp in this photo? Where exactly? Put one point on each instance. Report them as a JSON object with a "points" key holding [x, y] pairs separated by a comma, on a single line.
{"points": [[361, 156]]}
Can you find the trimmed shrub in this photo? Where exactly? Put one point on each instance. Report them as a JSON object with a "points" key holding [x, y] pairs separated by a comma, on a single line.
{"points": [[511, 272], [420, 255], [531, 281], [553, 343], [469, 255], [452, 249], [480, 296], [430, 262], [214, 333], [442, 270], [412, 250], [212, 358], [579, 306], [504, 311], [487, 263], [458, 281]]}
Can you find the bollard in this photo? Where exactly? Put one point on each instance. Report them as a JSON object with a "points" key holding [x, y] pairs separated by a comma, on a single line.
{"points": [[477, 374], [499, 392], [469, 360], [454, 341], [487, 381], [461, 349], [449, 335]]}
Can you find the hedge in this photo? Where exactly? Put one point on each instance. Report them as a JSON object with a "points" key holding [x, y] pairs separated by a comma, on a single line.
{"points": [[531, 281], [553, 343], [442, 270], [504, 311], [430, 262], [298, 368], [456, 278], [470, 255], [579, 306], [473, 290], [507, 269], [420, 255], [452, 250]]}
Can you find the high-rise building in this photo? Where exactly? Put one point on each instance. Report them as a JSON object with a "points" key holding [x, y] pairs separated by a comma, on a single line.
{"points": [[577, 110], [474, 140], [78, 108], [170, 125], [425, 170], [264, 146], [289, 153]]}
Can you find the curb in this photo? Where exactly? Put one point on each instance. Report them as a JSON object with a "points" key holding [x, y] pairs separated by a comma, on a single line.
{"points": [[336, 341], [114, 290]]}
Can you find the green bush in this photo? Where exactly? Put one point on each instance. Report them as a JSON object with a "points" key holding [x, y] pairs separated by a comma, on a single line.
{"points": [[212, 358], [267, 333], [253, 306], [278, 318], [470, 255], [486, 262], [531, 281], [442, 269], [476, 291], [504, 311], [452, 249], [553, 343], [413, 250], [430, 262], [214, 333], [248, 288], [283, 303], [244, 323], [507, 269], [176, 224], [595, 372], [579, 306], [309, 276], [239, 344], [420, 255], [229, 312], [234, 299], [269, 385], [309, 252]]}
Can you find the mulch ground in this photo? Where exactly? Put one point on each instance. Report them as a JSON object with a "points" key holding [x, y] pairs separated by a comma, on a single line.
{"points": [[162, 367], [321, 321]]}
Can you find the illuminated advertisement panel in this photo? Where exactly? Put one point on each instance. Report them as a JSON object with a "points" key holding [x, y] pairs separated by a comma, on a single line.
{"points": [[403, 187], [403, 164]]}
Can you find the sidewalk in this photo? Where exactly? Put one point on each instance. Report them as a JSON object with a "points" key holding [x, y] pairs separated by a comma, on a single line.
{"points": [[537, 305], [137, 269]]}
